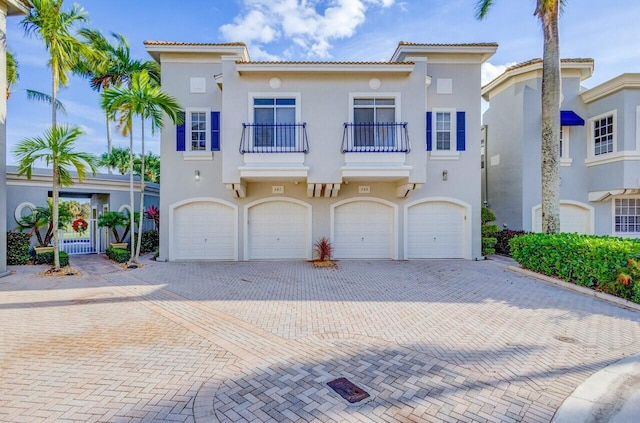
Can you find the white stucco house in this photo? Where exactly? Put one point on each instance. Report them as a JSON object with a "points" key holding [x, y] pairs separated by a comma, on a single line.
{"points": [[600, 150], [380, 157]]}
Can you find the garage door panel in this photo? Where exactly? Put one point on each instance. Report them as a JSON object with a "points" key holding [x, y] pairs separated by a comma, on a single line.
{"points": [[363, 229], [204, 231], [435, 229], [278, 230]]}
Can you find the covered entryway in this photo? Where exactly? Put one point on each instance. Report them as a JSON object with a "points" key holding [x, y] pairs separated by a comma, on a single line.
{"points": [[364, 229], [436, 228], [575, 217], [204, 229], [278, 229]]}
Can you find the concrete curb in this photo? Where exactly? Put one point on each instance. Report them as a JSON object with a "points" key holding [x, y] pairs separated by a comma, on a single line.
{"points": [[577, 288], [611, 395]]}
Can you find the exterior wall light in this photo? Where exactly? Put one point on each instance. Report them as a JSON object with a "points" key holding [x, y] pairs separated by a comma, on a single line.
{"points": [[445, 175], [196, 175]]}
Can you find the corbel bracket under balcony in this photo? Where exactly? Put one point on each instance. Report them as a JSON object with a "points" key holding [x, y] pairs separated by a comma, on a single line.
{"points": [[405, 190], [323, 190], [239, 190]]}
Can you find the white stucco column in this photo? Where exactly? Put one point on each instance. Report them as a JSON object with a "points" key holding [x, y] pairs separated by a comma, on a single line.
{"points": [[7, 7], [3, 139]]}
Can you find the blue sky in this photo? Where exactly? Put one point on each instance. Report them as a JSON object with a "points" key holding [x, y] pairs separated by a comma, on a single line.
{"points": [[361, 30]]}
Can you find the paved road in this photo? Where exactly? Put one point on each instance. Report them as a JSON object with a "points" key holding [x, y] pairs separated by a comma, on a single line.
{"points": [[428, 340]]}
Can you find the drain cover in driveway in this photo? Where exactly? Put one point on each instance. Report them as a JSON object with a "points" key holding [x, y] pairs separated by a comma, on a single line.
{"points": [[348, 390]]}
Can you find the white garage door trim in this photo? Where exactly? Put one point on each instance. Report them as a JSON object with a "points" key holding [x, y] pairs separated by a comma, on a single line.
{"points": [[394, 235], [578, 204], [468, 234], [174, 206], [308, 208]]}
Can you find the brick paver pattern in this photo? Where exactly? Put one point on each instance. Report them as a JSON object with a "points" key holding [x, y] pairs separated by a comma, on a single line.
{"points": [[428, 340]]}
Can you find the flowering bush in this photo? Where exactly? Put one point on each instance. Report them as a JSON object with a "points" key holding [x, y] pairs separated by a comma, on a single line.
{"points": [[627, 284], [80, 225]]}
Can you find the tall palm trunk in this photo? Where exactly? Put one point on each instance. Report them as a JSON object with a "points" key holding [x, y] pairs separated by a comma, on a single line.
{"points": [[141, 192], [131, 201], [56, 171], [551, 87], [109, 142]]}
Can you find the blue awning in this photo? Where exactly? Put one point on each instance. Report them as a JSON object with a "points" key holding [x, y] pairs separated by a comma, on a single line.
{"points": [[570, 118]]}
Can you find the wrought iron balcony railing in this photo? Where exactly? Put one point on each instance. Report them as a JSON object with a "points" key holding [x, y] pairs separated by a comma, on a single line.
{"points": [[274, 138], [387, 137]]}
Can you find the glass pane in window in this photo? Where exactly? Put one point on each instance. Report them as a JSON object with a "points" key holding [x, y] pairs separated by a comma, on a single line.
{"points": [[363, 115], [385, 101], [386, 115], [363, 102], [285, 101], [263, 102], [285, 115]]}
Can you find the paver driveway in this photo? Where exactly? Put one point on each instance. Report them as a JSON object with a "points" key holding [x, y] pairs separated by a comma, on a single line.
{"points": [[429, 340]]}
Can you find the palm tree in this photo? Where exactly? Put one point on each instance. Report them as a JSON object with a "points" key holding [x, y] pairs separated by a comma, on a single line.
{"points": [[48, 22], [55, 148], [151, 167], [548, 12], [114, 67], [117, 159], [145, 99], [12, 72]]}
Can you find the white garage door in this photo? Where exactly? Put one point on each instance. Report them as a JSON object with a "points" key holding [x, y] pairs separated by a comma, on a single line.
{"points": [[204, 231], [573, 218], [278, 230], [363, 229], [436, 229]]}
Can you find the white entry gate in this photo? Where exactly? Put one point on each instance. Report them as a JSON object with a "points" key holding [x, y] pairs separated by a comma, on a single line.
{"points": [[85, 242]]}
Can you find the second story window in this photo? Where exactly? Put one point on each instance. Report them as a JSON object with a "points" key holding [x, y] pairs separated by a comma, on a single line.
{"points": [[198, 129], [274, 120], [603, 135], [443, 131], [374, 120]]}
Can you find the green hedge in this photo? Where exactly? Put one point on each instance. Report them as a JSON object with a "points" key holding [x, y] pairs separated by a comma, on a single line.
{"points": [[584, 259], [150, 241], [118, 254], [47, 258], [17, 248]]}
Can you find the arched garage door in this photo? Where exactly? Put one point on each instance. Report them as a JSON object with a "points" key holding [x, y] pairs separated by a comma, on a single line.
{"points": [[436, 229], [278, 229], [364, 230], [204, 230], [574, 217]]}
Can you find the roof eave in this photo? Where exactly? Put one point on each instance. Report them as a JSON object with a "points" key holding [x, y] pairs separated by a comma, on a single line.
{"points": [[18, 7], [621, 82], [156, 50], [485, 51], [325, 67]]}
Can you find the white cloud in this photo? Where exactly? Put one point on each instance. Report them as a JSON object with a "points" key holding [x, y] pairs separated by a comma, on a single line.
{"points": [[83, 111], [312, 25], [491, 71]]}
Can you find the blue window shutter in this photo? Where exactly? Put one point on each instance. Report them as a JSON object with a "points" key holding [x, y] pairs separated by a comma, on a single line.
{"points": [[215, 131], [429, 131], [460, 135], [180, 134]]}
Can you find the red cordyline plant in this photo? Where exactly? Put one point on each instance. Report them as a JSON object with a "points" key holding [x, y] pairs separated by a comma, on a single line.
{"points": [[323, 249], [153, 213]]}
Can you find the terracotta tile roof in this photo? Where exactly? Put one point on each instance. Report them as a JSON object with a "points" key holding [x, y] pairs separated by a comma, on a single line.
{"points": [[407, 43], [177, 43], [323, 63], [536, 61]]}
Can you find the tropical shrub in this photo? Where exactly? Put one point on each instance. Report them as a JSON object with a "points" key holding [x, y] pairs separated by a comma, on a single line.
{"points": [[42, 217], [118, 254], [114, 220], [150, 241], [503, 237], [587, 260], [627, 284], [488, 232], [17, 248], [47, 258], [323, 249]]}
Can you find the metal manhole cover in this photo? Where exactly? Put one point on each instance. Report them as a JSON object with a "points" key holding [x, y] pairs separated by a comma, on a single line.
{"points": [[348, 390], [566, 339]]}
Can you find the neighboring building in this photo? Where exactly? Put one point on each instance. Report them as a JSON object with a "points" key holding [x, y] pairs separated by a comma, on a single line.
{"points": [[380, 157], [103, 192], [600, 150], [7, 8]]}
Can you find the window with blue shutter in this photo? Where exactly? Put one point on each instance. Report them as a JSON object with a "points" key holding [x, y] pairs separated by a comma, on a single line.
{"points": [[180, 134], [215, 131], [429, 131], [460, 131]]}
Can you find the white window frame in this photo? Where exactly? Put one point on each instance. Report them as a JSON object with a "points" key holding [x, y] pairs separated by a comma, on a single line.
{"points": [[613, 216], [451, 153], [614, 136], [275, 95], [565, 136], [190, 154]]}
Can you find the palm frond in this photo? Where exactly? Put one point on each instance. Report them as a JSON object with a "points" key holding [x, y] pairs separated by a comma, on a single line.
{"points": [[45, 98]]}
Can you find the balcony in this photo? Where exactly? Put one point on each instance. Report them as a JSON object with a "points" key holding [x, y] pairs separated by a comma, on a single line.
{"points": [[274, 138], [375, 151], [274, 151]]}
